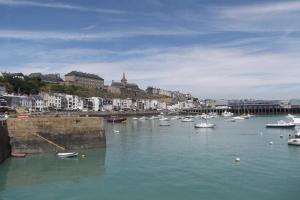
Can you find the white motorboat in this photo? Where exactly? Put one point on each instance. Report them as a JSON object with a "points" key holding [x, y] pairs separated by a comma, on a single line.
{"points": [[205, 125], [164, 119], [187, 120], [295, 140], [134, 118], [67, 155], [281, 124], [227, 114], [239, 118]]}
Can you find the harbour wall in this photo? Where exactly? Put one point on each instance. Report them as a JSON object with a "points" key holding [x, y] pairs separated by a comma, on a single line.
{"points": [[257, 110], [50, 134], [5, 148]]}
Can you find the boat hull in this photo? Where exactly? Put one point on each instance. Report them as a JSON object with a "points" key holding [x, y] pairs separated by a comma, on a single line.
{"points": [[67, 155], [280, 126], [295, 142]]}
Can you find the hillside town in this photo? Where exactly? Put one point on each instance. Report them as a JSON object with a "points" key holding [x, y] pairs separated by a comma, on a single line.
{"points": [[119, 96]]}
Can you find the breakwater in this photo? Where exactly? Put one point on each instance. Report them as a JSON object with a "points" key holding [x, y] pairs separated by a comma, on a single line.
{"points": [[46, 134], [5, 148], [258, 110]]}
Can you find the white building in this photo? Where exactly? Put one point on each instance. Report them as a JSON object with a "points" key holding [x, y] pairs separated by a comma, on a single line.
{"points": [[107, 105], [73, 102], [52, 100], [122, 104], [38, 104], [97, 103], [186, 104]]}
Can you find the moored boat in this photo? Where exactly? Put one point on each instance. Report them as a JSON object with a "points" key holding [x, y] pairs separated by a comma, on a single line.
{"points": [[294, 140], [227, 114], [281, 124], [187, 120], [205, 125], [116, 119], [18, 154], [67, 155], [165, 124], [238, 118]]}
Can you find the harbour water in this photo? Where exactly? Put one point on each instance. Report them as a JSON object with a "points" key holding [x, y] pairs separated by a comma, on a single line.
{"points": [[146, 161]]}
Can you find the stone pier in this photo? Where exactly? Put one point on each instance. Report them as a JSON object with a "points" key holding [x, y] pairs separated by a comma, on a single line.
{"points": [[50, 134]]}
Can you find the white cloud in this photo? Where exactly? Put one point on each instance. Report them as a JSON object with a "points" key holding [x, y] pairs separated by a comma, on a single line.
{"points": [[56, 5], [203, 71], [71, 36], [262, 9]]}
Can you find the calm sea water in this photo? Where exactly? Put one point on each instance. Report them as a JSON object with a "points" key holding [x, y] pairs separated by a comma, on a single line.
{"points": [[146, 161]]}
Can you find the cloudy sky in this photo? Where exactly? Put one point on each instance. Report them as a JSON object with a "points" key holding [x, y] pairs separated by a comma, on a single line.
{"points": [[213, 49]]}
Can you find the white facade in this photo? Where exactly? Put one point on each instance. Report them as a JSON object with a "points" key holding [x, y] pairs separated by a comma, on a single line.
{"points": [[97, 103], [161, 106], [122, 103], [52, 100], [73, 102], [186, 104]]}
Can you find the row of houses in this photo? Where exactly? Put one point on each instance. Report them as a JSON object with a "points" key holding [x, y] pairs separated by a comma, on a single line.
{"points": [[65, 102]]}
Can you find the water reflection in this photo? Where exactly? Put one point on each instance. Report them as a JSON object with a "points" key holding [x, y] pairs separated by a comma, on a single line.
{"points": [[46, 168]]}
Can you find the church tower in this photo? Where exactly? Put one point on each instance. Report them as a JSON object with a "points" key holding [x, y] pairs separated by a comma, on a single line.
{"points": [[124, 80]]}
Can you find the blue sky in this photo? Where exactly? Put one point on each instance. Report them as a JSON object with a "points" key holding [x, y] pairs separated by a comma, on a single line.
{"points": [[213, 49]]}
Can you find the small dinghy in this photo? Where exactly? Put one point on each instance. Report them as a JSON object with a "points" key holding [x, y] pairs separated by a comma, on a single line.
{"points": [[281, 124], [67, 155], [204, 125], [165, 124], [187, 120], [18, 154]]}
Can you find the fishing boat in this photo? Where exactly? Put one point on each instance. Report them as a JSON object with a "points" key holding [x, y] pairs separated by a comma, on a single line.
{"points": [[205, 125], [116, 119], [67, 155], [281, 124]]}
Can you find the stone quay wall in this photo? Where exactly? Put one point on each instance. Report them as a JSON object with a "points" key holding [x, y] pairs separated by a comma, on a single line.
{"points": [[51, 134]]}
